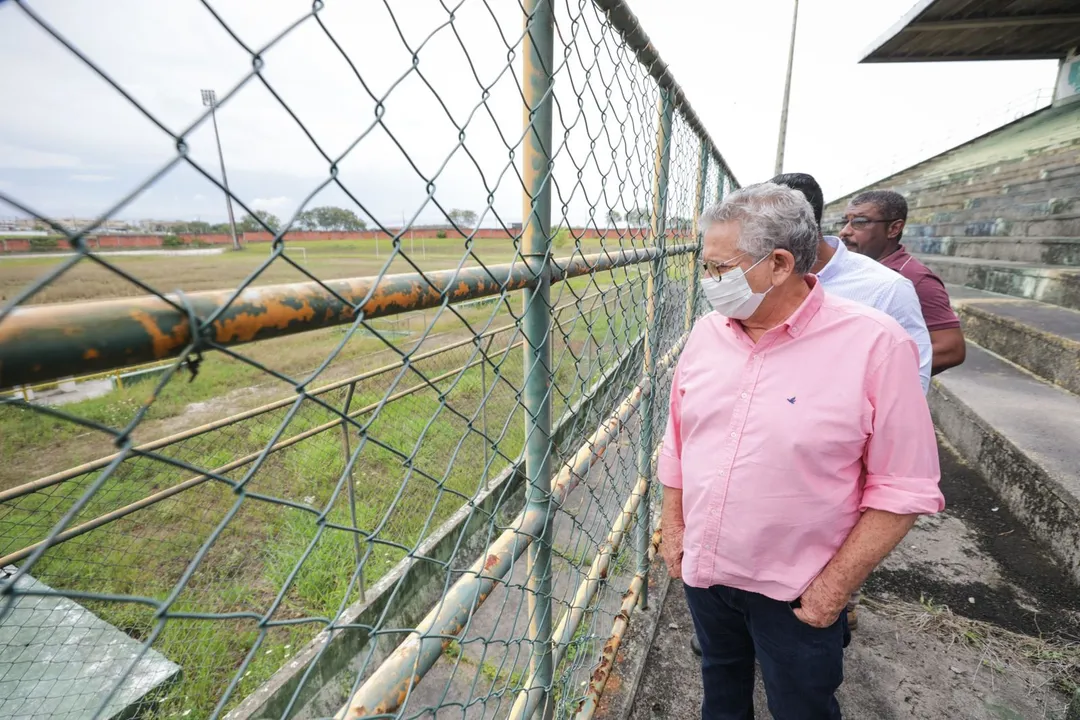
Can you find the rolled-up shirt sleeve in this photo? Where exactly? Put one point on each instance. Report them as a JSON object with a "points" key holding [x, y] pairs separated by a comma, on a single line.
{"points": [[902, 470], [669, 464]]}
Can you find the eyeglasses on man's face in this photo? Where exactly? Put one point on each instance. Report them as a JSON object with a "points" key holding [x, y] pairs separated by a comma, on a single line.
{"points": [[859, 223], [716, 270]]}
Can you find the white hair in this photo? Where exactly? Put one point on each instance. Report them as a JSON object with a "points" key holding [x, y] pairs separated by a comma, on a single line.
{"points": [[770, 217]]}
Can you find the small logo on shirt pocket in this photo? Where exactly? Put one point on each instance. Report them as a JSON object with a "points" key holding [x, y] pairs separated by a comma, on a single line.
{"points": [[791, 399]]}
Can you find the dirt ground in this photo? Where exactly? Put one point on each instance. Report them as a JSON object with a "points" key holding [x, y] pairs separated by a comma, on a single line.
{"points": [[968, 618]]}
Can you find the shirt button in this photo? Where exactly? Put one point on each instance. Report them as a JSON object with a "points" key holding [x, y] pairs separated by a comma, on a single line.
{"points": [[732, 434], [743, 396]]}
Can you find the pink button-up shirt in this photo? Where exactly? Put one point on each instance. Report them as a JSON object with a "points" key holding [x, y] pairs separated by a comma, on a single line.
{"points": [[778, 446]]}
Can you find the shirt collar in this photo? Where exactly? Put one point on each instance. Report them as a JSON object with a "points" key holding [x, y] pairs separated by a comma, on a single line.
{"points": [[833, 266], [895, 258], [798, 320]]}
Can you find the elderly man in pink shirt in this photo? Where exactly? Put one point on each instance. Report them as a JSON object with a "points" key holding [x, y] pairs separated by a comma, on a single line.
{"points": [[799, 450]]}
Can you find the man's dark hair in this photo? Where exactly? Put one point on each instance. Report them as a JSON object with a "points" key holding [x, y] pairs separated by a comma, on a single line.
{"points": [[889, 203], [808, 186]]}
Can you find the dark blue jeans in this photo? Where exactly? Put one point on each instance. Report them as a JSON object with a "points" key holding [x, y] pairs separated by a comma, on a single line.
{"points": [[802, 666]]}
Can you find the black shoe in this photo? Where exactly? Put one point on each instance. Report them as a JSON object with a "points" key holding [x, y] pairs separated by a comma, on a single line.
{"points": [[695, 646]]}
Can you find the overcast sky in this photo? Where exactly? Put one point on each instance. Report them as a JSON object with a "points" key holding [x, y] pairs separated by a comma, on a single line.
{"points": [[70, 145]]}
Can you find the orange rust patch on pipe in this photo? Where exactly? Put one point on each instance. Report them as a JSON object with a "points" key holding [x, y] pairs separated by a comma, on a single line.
{"points": [[392, 297], [243, 327], [164, 343], [492, 561]]}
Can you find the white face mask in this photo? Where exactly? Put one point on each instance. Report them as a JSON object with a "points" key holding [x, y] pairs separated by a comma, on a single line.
{"points": [[731, 295]]}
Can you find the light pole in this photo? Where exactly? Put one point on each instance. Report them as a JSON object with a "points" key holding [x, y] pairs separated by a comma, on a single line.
{"points": [[787, 95], [209, 99]]}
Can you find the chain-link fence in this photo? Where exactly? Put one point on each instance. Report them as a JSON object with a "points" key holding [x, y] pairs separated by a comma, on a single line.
{"points": [[423, 490]]}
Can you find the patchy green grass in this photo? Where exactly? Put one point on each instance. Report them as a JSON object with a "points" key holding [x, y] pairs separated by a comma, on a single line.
{"points": [[415, 462], [410, 476]]}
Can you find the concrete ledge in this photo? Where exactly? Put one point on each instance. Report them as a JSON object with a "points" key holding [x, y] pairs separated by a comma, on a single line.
{"points": [[59, 660], [1032, 227], [1022, 435], [1043, 339], [1057, 286], [1045, 251]]}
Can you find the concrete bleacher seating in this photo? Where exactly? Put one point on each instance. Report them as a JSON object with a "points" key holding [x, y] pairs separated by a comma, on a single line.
{"points": [[999, 220]]}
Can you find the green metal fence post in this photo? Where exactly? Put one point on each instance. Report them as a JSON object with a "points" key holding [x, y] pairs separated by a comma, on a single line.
{"points": [[653, 308], [538, 75], [695, 257]]}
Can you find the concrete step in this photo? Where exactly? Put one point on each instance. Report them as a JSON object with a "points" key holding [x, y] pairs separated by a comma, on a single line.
{"points": [[1041, 166], [1065, 225], [1014, 210], [1043, 339], [1038, 165], [1006, 196], [1048, 284], [1054, 198], [59, 660], [1021, 434], [921, 203], [1042, 251]]}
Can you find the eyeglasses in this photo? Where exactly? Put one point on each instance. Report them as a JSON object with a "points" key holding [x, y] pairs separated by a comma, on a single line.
{"points": [[860, 223], [716, 270]]}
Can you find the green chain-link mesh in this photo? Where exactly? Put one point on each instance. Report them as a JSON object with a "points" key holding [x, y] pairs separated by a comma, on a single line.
{"points": [[267, 522]]}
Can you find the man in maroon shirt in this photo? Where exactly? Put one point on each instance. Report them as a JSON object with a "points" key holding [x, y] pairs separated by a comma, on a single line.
{"points": [[873, 225]]}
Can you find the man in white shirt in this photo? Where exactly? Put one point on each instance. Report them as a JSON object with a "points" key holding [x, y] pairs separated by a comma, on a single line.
{"points": [[850, 276]]}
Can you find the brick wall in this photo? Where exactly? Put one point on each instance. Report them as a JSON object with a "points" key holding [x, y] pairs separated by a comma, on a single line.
{"points": [[17, 245]]}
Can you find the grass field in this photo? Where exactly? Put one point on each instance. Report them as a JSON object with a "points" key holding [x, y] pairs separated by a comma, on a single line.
{"points": [[419, 464], [325, 260]]}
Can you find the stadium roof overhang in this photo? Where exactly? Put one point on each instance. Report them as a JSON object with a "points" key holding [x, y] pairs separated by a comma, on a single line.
{"points": [[942, 30]]}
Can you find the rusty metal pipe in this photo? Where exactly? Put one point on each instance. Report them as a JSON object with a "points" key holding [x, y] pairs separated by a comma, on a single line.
{"points": [[165, 494], [529, 699], [39, 343], [70, 473], [389, 686], [600, 675]]}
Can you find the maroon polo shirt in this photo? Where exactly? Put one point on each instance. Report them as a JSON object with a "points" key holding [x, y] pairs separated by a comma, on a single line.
{"points": [[936, 309]]}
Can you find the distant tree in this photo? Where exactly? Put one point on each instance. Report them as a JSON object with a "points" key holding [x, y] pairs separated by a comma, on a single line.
{"points": [[638, 216], [462, 218], [330, 218], [563, 238], [220, 229], [251, 223], [680, 224], [306, 221], [614, 217]]}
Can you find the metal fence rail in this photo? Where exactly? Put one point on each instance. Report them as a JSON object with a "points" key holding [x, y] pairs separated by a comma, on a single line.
{"points": [[310, 515]]}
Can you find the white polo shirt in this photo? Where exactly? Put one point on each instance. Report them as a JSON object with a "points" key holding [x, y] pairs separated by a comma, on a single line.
{"points": [[866, 281]]}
